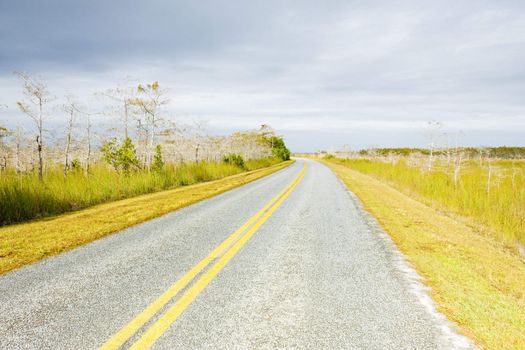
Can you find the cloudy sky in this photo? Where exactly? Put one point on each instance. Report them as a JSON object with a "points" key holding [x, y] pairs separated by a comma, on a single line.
{"points": [[323, 73]]}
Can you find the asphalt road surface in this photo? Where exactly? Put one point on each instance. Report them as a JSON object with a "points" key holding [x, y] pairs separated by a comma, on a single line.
{"points": [[308, 268]]}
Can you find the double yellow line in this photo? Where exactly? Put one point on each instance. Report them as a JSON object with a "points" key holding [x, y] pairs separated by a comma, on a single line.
{"points": [[223, 254]]}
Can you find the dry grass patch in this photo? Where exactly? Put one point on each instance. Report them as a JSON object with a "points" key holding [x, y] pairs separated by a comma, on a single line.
{"points": [[25, 243], [475, 280]]}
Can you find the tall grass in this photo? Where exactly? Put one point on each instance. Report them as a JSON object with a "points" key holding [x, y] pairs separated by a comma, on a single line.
{"points": [[23, 197], [501, 208]]}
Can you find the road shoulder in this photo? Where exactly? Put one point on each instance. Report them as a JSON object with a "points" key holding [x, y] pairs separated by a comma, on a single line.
{"points": [[468, 274]]}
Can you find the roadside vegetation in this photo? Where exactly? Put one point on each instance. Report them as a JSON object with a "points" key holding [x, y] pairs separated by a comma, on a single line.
{"points": [[460, 227], [24, 198], [502, 152], [28, 242], [138, 150], [486, 189]]}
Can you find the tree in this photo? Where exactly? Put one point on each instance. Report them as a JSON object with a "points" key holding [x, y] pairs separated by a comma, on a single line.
{"points": [[17, 140], [198, 136], [434, 127], [121, 157], [128, 156], [71, 108], [457, 167], [150, 99], [458, 157], [275, 142], [88, 141], [158, 163], [267, 132], [279, 148], [125, 97], [110, 151], [4, 133], [37, 96]]}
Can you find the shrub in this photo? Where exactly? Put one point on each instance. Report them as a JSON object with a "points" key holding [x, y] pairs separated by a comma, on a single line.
{"points": [[75, 165], [121, 157], [158, 163], [234, 159]]}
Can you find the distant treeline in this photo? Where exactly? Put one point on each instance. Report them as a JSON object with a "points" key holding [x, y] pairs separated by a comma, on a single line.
{"points": [[502, 152]]}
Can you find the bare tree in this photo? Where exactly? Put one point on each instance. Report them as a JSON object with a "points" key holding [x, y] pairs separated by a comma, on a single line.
{"points": [[125, 97], [267, 132], [457, 167], [489, 177], [37, 96], [514, 172], [71, 108], [18, 139], [447, 138], [198, 136], [151, 98], [434, 127], [88, 143], [4, 133], [18, 148], [458, 158]]}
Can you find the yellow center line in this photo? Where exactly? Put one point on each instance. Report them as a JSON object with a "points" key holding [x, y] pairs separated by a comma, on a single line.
{"points": [[165, 321], [134, 325]]}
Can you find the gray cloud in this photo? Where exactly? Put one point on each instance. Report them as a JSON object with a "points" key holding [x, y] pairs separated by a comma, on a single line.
{"points": [[369, 70]]}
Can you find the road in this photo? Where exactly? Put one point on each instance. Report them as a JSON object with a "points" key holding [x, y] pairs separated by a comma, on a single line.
{"points": [[311, 270]]}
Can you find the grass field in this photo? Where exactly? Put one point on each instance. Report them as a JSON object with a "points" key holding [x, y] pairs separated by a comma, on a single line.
{"points": [[23, 197], [24, 243], [474, 278], [499, 208]]}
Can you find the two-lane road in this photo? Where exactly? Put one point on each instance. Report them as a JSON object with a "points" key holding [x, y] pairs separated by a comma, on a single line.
{"points": [[288, 261]]}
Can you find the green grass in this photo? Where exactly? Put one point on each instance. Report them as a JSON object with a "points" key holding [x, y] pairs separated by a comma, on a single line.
{"points": [[28, 242], [501, 211], [24, 198], [476, 281]]}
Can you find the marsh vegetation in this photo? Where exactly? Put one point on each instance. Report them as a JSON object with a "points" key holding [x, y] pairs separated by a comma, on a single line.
{"points": [[46, 172], [485, 185]]}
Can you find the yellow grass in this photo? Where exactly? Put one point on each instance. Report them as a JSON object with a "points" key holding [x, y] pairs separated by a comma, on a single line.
{"points": [[23, 197], [500, 208], [25, 243], [474, 279]]}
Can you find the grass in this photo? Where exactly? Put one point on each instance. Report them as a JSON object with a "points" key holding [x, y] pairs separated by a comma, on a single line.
{"points": [[501, 210], [24, 198], [474, 279], [24, 243]]}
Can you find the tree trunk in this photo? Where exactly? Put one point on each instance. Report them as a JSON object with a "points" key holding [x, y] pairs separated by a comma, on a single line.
{"points": [[126, 118], [40, 160], [88, 153], [197, 154], [18, 168], [489, 177], [39, 143], [430, 157], [68, 143]]}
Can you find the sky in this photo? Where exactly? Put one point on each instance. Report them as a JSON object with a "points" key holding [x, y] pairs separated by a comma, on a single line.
{"points": [[324, 74]]}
